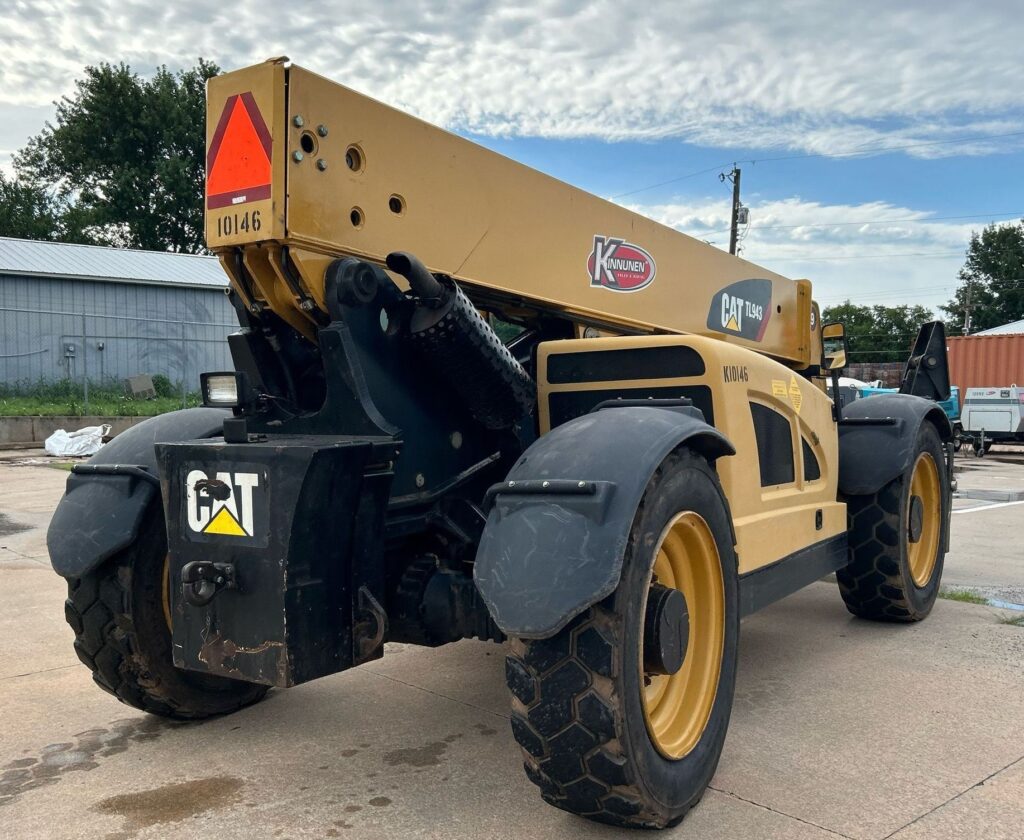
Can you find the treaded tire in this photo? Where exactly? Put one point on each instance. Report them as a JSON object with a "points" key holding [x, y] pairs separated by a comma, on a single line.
{"points": [[577, 710], [877, 584], [116, 613]]}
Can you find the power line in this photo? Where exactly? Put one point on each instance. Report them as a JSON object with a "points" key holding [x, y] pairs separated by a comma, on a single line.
{"points": [[755, 228], [962, 252], [852, 153]]}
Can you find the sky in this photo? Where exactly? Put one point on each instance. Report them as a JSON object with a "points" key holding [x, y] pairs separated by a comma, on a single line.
{"points": [[873, 137]]}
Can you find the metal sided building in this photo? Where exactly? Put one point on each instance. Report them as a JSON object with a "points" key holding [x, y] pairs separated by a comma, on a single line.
{"points": [[80, 311]]}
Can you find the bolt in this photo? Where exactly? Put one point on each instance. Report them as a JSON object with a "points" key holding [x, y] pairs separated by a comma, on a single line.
{"points": [[297, 156], [220, 580], [321, 164], [582, 484], [511, 484], [420, 479], [546, 484], [254, 309], [298, 121], [306, 305], [321, 130]]}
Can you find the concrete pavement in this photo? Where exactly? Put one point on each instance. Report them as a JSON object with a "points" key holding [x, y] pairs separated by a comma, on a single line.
{"points": [[987, 538], [841, 728]]}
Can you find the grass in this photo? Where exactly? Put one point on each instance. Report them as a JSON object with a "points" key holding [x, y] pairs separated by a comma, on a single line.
{"points": [[963, 595], [1012, 620], [105, 398]]}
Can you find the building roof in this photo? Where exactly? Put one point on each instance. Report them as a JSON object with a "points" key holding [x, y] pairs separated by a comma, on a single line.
{"points": [[27, 257], [1012, 328]]}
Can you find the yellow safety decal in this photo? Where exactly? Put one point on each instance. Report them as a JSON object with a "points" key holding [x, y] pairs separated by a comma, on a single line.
{"points": [[779, 389], [795, 394]]}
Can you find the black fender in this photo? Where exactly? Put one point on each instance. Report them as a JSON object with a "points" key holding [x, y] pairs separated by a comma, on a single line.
{"points": [[877, 436], [559, 525], [100, 512]]}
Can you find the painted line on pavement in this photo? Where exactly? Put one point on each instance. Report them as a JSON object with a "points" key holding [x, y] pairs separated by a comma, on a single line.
{"points": [[988, 507]]}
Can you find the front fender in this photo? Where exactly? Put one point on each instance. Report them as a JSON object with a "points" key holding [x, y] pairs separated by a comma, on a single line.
{"points": [[877, 436], [100, 514], [557, 532]]}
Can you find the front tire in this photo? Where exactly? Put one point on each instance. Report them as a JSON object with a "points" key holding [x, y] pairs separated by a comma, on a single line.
{"points": [[896, 539], [603, 736], [120, 615]]}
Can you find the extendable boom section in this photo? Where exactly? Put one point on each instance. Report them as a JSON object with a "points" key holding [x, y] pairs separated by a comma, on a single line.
{"points": [[301, 171]]}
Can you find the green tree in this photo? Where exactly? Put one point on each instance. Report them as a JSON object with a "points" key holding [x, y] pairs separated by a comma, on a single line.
{"points": [[126, 154], [878, 333], [28, 211], [992, 278]]}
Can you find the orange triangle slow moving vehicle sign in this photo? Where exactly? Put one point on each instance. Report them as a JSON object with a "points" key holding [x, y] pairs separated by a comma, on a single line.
{"points": [[238, 166]]}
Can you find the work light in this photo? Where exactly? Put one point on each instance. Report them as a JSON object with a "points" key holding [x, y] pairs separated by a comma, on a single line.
{"points": [[224, 389]]}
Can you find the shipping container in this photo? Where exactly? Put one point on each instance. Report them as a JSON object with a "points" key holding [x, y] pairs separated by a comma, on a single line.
{"points": [[986, 361]]}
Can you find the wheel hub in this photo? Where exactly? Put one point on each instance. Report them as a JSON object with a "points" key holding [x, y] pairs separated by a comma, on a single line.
{"points": [[666, 630], [916, 523], [682, 636]]}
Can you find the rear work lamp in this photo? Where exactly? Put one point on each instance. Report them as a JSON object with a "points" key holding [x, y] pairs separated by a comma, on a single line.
{"points": [[225, 389]]}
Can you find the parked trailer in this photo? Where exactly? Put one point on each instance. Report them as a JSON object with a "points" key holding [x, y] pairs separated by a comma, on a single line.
{"points": [[993, 415]]}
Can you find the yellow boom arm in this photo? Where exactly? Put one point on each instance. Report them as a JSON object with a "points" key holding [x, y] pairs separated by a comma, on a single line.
{"points": [[301, 171]]}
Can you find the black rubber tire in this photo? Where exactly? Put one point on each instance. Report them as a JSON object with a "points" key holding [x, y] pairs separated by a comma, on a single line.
{"points": [[121, 635], [576, 698], [877, 584]]}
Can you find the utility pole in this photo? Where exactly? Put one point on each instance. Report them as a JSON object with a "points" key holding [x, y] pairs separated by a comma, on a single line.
{"points": [[967, 308], [734, 177]]}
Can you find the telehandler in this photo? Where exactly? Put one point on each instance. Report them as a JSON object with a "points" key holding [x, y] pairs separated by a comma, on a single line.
{"points": [[651, 455]]}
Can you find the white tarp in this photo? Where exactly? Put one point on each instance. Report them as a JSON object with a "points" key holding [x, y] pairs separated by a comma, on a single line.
{"points": [[85, 441]]}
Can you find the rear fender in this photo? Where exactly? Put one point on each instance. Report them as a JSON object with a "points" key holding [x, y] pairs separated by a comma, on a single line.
{"points": [[877, 437], [559, 525], [100, 513]]}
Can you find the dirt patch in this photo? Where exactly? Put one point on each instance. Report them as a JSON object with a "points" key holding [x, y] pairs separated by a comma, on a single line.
{"points": [[7, 527], [169, 803], [83, 753], [380, 802], [425, 756]]}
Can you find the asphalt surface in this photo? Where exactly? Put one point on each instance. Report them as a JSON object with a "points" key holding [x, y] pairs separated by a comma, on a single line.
{"points": [[841, 728]]}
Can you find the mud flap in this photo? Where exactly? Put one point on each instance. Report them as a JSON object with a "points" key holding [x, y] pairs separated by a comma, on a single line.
{"points": [[558, 526], [275, 554]]}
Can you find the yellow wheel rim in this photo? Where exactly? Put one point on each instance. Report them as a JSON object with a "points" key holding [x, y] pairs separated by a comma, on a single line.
{"points": [[925, 484], [677, 706], [165, 590]]}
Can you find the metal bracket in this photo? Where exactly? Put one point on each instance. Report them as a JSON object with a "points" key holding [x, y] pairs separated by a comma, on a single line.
{"points": [[371, 625], [201, 580]]}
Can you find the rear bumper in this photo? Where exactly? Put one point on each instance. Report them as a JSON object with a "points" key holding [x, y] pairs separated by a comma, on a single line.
{"points": [[275, 554]]}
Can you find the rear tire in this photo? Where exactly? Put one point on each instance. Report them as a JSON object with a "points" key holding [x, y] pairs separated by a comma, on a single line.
{"points": [[122, 635], [892, 577], [592, 740]]}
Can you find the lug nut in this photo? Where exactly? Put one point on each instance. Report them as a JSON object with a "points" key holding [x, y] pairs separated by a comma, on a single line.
{"points": [[321, 130], [321, 164], [298, 121], [297, 156]]}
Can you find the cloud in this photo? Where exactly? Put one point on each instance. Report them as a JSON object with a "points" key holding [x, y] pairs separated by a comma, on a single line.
{"points": [[796, 75], [869, 253]]}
